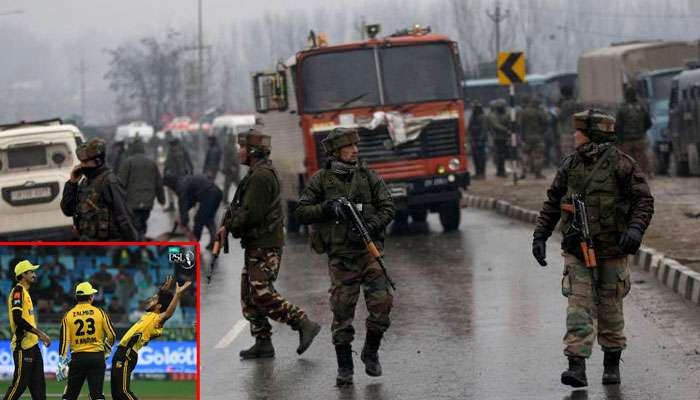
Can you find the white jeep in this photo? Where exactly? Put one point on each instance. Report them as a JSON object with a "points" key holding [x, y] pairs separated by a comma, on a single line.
{"points": [[36, 159]]}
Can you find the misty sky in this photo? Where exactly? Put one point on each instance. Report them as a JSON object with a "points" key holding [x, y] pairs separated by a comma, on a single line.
{"points": [[69, 19]]}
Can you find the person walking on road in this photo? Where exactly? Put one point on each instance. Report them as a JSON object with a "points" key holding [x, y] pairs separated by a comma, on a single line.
{"points": [[29, 364], [96, 200], [255, 216], [178, 163], [478, 127], [619, 207], [143, 183], [533, 122], [632, 122], [88, 333], [212, 160], [498, 126], [351, 265]]}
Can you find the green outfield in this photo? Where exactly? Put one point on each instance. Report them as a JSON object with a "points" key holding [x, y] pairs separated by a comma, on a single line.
{"points": [[145, 390]]}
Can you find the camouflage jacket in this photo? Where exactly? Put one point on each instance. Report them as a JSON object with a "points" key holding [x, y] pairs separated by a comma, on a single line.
{"points": [[99, 208], [632, 121], [533, 122], [617, 198], [255, 214], [362, 187], [498, 125]]}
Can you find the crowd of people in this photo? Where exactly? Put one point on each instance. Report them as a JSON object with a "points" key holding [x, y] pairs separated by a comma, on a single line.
{"points": [[123, 276]]}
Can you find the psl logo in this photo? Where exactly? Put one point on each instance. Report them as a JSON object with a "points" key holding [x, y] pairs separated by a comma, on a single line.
{"points": [[185, 258]]}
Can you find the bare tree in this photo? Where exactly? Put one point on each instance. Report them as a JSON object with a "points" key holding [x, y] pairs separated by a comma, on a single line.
{"points": [[146, 76]]}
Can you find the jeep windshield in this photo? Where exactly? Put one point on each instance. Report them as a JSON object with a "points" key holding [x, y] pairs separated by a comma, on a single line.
{"points": [[385, 75]]}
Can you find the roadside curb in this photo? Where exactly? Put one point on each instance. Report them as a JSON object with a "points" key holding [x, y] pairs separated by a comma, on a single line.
{"points": [[668, 271]]}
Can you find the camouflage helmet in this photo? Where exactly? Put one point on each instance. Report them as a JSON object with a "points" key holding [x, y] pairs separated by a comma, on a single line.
{"points": [[91, 150], [596, 124], [255, 140], [339, 138]]}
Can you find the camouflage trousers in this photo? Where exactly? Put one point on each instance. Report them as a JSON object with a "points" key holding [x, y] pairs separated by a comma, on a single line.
{"points": [[347, 276], [259, 298], [534, 156], [637, 149], [594, 313]]}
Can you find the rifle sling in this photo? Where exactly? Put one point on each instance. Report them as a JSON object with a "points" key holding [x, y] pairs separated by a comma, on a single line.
{"points": [[606, 154]]}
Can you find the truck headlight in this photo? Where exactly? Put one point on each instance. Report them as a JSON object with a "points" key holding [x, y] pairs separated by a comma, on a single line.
{"points": [[440, 169], [454, 164]]}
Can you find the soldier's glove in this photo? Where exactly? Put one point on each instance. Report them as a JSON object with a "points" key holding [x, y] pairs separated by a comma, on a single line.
{"points": [[332, 209], [631, 240], [539, 251]]}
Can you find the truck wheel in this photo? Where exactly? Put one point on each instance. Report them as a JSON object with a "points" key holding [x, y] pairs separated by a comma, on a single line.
{"points": [[450, 214], [292, 222], [419, 215]]}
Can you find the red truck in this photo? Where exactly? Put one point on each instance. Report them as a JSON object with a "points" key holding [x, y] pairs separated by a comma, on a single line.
{"points": [[402, 92]]}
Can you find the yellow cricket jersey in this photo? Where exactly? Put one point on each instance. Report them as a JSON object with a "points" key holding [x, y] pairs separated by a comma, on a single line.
{"points": [[149, 327], [20, 300], [84, 329]]}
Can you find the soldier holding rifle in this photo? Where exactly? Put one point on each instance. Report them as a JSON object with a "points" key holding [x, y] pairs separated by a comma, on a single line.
{"points": [[605, 207], [354, 262], [255, 216]]}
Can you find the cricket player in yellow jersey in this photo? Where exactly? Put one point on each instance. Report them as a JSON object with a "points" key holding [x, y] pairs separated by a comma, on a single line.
{"points": [[159, 308], [87, 331], [29, 364]]}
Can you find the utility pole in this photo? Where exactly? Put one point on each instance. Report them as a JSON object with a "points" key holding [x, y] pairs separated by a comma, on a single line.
{"points": [[200, 61], [497, 17], [82, 70]]}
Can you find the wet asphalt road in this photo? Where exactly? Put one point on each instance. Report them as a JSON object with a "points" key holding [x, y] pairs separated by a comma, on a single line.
{"points": [[474, 318]]}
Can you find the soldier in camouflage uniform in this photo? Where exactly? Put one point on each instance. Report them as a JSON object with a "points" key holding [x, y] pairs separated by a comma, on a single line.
{"points": [[619, 207], [533, 123], [478, 137], [632, 122], [567, 109], [351, 266], [95, 198], [255, 216], [498, 126]]}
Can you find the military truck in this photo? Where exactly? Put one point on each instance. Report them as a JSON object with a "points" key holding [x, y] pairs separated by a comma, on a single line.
{"points": [[403, 94], [684, 121], [36, 159], [648, 66]]}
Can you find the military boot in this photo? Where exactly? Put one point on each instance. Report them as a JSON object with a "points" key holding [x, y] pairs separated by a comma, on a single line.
{"points": [[611, 368], [308, 330], [369, 354], [576, 374], [345, 367], [261, 349]]}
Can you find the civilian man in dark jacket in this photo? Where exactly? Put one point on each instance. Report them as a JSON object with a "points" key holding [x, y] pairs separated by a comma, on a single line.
{"points": [[212, 160], [141, 178]]}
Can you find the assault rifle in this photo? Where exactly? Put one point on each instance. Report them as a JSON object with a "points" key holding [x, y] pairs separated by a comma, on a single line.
{"points": [[220, 241], [361, 227], [580, 225]]}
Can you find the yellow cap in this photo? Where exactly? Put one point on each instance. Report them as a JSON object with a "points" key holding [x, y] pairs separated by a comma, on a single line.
{"points": [[84, 288], [24, 266]]}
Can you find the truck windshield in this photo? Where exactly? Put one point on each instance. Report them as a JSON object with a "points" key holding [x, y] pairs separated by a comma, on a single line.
{"points": [[334, 80], [409, 74], [419, 73], [661, 86]]}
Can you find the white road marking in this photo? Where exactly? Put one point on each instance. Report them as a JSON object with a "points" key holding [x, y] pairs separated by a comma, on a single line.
{"points": [[228, 338]]}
